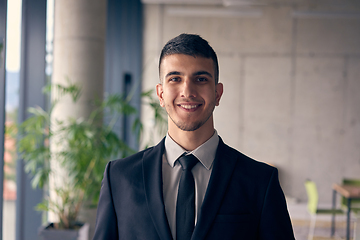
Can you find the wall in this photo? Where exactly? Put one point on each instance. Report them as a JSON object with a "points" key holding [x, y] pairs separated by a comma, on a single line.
{"points": [[291, 83]]}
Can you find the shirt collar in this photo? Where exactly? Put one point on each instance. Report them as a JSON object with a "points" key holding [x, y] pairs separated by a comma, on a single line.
{"points": [[205, 153]]}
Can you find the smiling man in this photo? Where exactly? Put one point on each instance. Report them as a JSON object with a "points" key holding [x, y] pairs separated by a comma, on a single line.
{"points": [[189, 91], [191, 185]]}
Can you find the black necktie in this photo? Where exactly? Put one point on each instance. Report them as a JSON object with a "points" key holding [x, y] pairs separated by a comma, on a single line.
{"points": [[185, 205]]}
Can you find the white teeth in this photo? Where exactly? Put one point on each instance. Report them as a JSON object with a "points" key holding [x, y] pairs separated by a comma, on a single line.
{"points": [[188, 106]]}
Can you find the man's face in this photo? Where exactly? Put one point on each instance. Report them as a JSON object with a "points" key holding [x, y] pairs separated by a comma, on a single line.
{"points": [[188, 91]]}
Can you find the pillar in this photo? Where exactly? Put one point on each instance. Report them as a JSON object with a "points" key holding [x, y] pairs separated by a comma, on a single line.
{"points": [[79, 53]]}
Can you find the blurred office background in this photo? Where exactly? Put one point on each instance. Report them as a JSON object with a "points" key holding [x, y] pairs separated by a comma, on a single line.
{"points": [[290, 70]]}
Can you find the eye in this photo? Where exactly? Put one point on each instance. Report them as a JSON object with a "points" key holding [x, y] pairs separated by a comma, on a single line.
{"points": [[174, 79], [201, 79]]}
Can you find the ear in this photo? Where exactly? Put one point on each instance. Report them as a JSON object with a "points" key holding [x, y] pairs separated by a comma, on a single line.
{"points": [[219, 88], [159, 93]]}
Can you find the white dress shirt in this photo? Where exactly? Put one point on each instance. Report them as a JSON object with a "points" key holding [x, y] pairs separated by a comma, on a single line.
{"points": [[171, 170]]}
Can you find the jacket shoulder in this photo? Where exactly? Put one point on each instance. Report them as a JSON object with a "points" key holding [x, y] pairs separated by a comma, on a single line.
{"points": [[130, 161], [136, 159]]}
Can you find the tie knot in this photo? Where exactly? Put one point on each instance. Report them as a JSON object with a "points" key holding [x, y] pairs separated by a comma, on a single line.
{"points": [[188, 161]]}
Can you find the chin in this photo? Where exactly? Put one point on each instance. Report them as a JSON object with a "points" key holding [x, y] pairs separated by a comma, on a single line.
{"points": [[189, 127]]}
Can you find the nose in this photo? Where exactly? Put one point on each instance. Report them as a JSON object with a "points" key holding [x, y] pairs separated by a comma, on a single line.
{"points": [[188, 89]]}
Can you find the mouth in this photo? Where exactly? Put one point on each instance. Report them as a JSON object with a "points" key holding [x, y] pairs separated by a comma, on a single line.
{"points": [[189, 107]]}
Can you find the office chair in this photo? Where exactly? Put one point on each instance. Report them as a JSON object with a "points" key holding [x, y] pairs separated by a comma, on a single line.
{"points": [[312, 206]]}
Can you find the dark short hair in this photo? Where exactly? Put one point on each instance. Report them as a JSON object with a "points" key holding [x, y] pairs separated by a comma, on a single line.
{"points": [[193, 45]]}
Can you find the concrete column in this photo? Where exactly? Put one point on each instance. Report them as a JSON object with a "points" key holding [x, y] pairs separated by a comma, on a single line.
{"points": [[79, 53]]}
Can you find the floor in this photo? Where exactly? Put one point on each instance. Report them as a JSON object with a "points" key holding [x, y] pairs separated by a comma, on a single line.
{"points": [[301, 220], [9, 220]]}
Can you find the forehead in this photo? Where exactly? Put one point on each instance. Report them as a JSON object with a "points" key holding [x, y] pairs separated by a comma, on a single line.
{"points": [[186, 64]]}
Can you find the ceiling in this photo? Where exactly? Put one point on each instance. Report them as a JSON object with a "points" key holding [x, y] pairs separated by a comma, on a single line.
{"points": [[338, 7], [227, 3], [207, 2]]}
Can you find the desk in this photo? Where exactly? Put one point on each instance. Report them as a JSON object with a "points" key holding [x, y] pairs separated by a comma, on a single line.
{"points": [[349, 192]]}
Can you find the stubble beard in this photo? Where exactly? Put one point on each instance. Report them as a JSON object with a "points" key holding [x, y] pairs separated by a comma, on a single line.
{"points": [[190, 126]]}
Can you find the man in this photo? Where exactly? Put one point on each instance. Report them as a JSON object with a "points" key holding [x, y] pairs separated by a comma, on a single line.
{"points": [[222, 195]]}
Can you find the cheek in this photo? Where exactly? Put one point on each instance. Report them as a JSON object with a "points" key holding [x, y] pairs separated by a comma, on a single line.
{"points": [[169, 96]]}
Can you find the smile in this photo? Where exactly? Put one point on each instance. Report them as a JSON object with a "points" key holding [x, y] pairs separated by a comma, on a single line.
{"points": [[189, 106]]}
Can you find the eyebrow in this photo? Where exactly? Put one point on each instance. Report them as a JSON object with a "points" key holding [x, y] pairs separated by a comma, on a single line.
{"points": [[202, 73], [173, 73], [194, 74]]}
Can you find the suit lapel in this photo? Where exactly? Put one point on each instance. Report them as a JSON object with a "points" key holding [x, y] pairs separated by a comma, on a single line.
{"points": [[223, 167], [152, 171]]}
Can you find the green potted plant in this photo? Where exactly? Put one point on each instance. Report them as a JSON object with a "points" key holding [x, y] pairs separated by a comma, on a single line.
{"points": [[86, 147]]}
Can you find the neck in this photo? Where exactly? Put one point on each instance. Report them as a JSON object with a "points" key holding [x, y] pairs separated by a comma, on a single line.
{"points": [[190, 140]]}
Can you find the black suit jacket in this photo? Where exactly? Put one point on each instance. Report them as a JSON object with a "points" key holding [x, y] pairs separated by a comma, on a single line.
{"points": [[244, 200]]}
